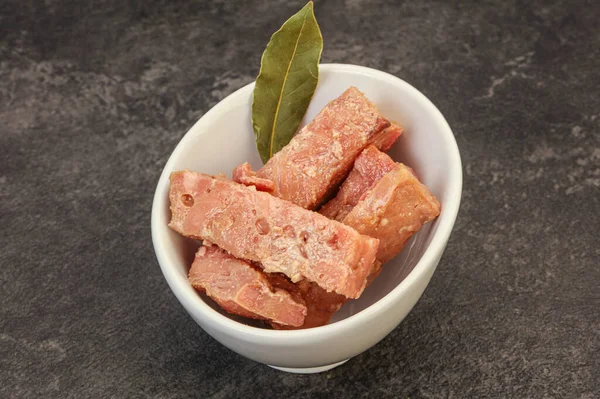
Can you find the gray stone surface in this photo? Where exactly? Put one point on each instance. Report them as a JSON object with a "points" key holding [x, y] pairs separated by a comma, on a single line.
{"points": [[95, 95]]}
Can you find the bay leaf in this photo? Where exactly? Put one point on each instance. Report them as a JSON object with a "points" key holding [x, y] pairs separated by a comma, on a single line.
{"points": [[288, 77]]}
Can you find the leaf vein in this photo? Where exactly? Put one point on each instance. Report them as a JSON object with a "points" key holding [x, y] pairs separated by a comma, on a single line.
{"points": [[296, 89]]}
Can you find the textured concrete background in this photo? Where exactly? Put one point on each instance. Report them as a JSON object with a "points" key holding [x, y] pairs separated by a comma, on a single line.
{"points": [[95, 95]]}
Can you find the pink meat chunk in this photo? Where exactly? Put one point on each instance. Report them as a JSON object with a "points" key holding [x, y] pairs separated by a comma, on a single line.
{"points": [[321, 305], [393, 210], [281, 236], [245, 175], [369, 167], [317, 159], [240, 289], [387, 137]]}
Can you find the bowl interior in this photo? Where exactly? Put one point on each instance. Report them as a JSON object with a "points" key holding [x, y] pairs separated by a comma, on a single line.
{"points": [[223, 138]]}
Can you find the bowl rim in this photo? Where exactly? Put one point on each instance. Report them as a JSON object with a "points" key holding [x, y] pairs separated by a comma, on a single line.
{"points": [[222, 323]]}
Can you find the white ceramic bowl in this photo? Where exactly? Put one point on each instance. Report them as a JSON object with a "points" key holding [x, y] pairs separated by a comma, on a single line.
{"points": [[223, 138]]}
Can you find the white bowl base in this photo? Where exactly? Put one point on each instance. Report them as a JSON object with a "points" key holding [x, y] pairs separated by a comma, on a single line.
{"points": [[309, 370]]}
